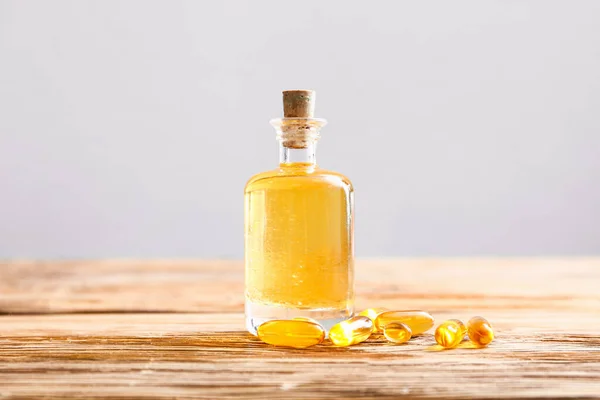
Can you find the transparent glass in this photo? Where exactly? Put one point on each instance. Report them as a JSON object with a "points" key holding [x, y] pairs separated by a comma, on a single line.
{"points": [[299, 250]]}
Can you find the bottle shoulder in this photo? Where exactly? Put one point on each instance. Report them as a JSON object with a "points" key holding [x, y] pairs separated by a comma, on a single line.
{"points": [[299, 176], [335, 175], [261, 176]]}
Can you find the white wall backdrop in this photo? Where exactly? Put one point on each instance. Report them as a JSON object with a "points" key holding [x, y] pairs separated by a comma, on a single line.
{"points": [[128, 128]]}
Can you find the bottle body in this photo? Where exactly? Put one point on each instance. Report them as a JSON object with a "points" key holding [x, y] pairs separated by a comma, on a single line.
{"points": [[299, 251]]}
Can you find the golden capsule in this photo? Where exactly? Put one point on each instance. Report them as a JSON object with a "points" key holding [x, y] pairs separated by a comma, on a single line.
{"points": [[480, 331], [351, 331], [450, 334], [397, 332], [372, 313], [417, 321], [291, 333]]}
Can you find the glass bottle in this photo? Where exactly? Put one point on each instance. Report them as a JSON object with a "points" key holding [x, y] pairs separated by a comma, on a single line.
{"points": [[299, 229]]}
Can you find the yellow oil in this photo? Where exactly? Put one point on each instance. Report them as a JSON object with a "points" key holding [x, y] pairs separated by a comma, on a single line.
{"points": [[298, 238]]}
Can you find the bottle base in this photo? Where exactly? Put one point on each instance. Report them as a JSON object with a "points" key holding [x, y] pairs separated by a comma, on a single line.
{"points": [[257, 314]]}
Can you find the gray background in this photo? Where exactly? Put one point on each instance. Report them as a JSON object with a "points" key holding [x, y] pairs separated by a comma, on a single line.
{"points": [[128, 128]]}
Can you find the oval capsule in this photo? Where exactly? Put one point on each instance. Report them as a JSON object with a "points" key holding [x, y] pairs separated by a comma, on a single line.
{"points": [[351, 331], [450, 334], [480, 331], [417, 321], [397, 332], [291, 333], [372, 313]]}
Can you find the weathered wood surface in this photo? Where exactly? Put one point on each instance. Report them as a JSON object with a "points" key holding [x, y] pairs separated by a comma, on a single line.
{"points": [[123, 329]]}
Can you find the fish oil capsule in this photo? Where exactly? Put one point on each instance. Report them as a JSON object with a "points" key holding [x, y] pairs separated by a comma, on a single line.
{"points": [[397, 332], [480, 331], [351, 331], [372, 313], [291, 333], [417, 321], [450, 333]]}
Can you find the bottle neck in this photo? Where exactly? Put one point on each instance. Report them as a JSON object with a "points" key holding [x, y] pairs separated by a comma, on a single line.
{"points": [[303, 156], [298, 140]]}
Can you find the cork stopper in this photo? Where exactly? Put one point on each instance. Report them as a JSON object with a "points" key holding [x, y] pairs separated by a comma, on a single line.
{"points": [[298, 103], [298, 128]]}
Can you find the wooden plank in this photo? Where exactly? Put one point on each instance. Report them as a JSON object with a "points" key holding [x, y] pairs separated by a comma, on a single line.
{"points": [[60, 339], [217, 286]]}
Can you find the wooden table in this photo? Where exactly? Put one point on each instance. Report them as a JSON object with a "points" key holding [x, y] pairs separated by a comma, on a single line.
{"points": [[172, 329]]}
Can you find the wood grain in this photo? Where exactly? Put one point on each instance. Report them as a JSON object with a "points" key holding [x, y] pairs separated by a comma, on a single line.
{"points": [[174, 329]]}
